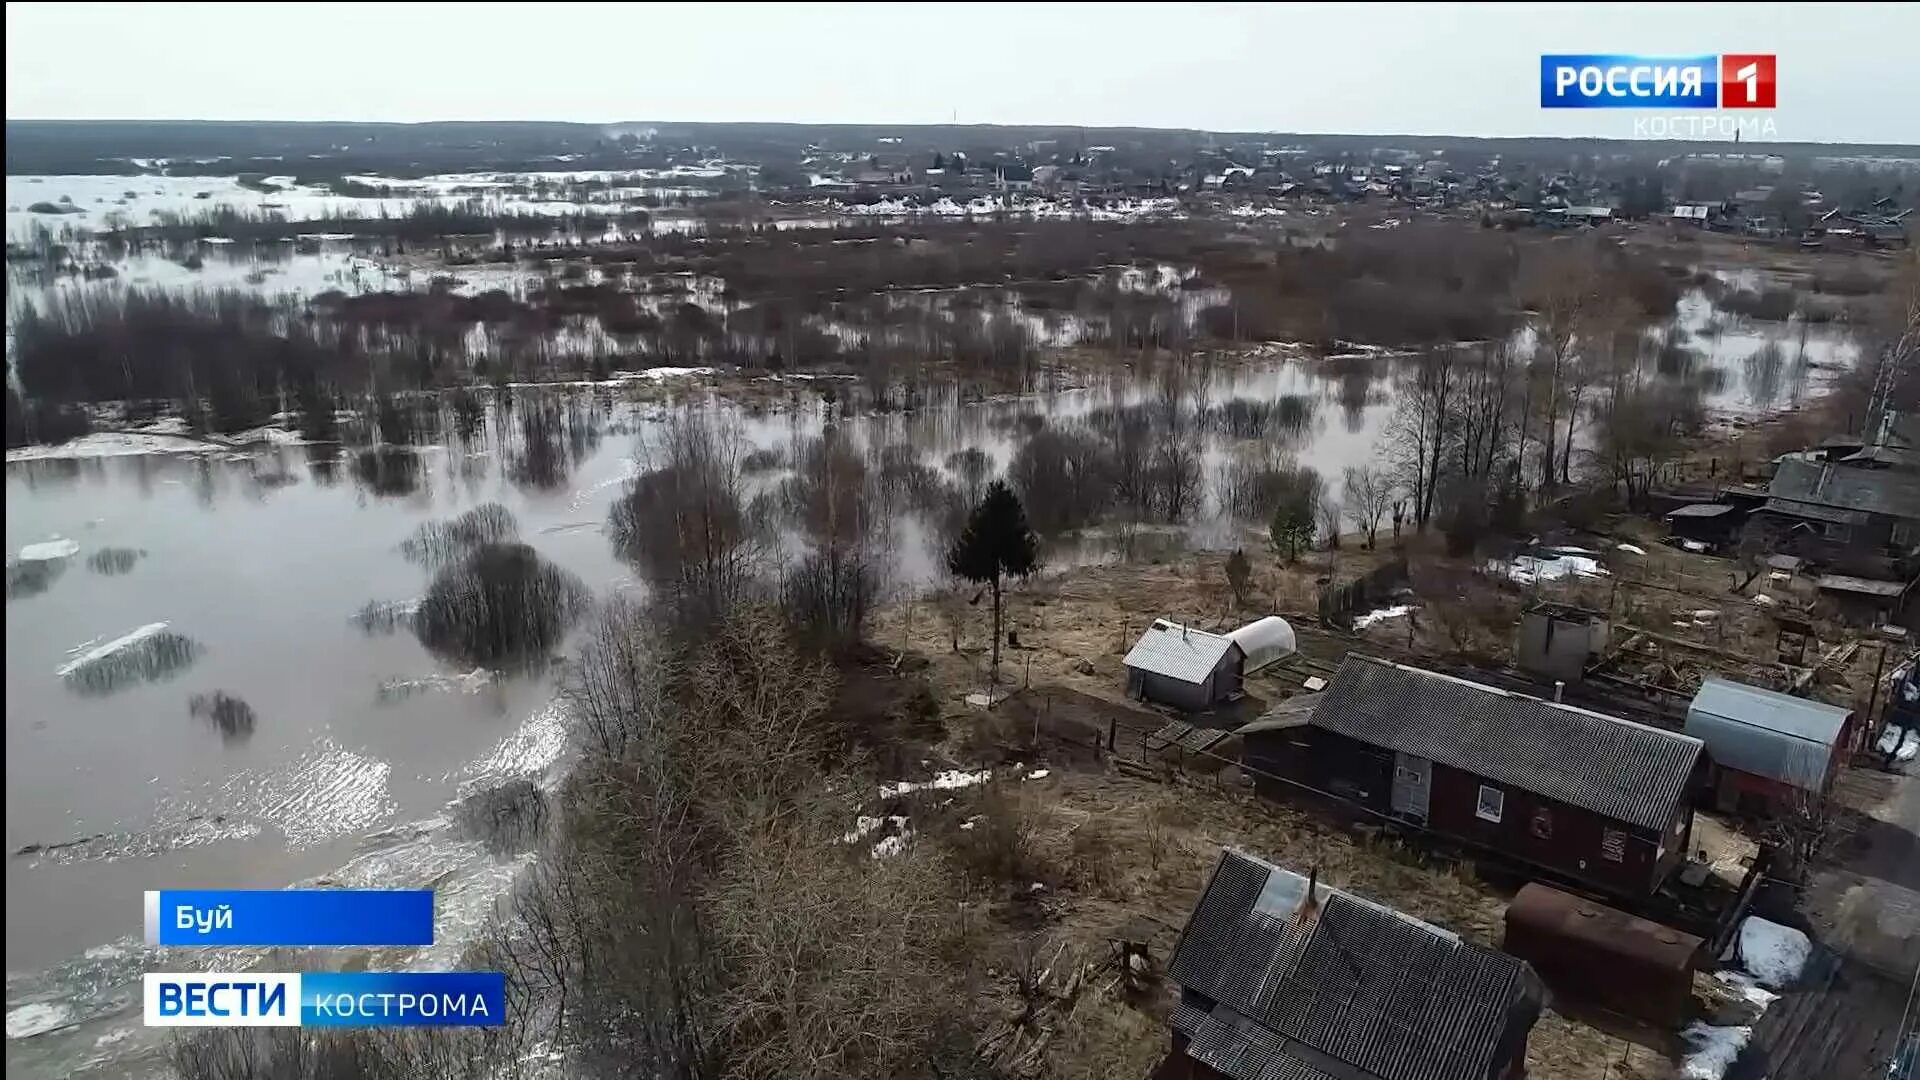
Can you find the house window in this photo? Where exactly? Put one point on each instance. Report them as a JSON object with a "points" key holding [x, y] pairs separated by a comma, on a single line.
{"points": [[1613, 845], [1905, 533], [1493, 802], [1543, 823], [1838, 532]]}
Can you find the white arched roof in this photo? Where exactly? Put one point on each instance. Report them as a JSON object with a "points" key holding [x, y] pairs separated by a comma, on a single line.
{"points": [[1264, 641]]}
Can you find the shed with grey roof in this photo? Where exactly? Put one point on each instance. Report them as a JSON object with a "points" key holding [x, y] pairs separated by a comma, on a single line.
{"points": [[1186, 668], [1765, 745], [1587, 796], [1285, 979]]}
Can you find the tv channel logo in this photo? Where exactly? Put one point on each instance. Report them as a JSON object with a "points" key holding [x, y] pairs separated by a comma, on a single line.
{"points": [[1622, 81]]}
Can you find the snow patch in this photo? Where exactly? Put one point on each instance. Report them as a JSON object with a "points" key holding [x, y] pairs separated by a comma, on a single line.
{"points": [[1631, 549], [1712, 1050], [1774, 954], [1397, 611], [1903, 745], [946, 781], [890, 846], [1548, 566], [1039, 774], [1746, 988]]}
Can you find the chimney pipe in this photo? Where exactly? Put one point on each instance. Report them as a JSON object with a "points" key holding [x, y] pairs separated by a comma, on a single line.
{"points": [[1559, 687]]}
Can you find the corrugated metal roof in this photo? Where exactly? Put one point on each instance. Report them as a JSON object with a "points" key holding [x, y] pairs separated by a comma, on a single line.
{"points": [[1266, 995], [1293, 712], [1625, 771], [1178, 652], [1700, 510], [1879, 491], [1765, 732], [1869, 586]]}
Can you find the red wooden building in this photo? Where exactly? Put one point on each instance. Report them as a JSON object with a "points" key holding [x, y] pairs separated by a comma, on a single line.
{"points": [[1587, 797]]}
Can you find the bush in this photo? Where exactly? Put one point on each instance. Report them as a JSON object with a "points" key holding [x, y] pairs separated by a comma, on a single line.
{"points": [[501, 603]]}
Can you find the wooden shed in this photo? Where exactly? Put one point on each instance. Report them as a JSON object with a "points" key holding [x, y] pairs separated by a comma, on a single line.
{"points": [[1586, 951]]}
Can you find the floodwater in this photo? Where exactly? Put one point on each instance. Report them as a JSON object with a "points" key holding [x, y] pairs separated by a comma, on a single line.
{"points": [[243, 573]]}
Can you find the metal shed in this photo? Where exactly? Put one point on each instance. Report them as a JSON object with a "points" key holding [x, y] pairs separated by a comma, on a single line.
{"points": [[1264, 641], [1183, 667], [1588, 951], [1784, 741]]}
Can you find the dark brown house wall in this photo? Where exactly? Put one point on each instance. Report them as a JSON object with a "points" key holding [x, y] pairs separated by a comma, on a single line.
{"points": [[1324, 761], [1568, 840]]}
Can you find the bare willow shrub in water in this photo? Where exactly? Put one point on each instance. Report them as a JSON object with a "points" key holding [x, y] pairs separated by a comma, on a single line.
{"points": [[685, 523], [232, 717], [500, 603], [438, 542]]}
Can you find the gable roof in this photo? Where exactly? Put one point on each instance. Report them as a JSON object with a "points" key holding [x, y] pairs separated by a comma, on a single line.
{"points": [[1178, 652], [1355, 986], [1616, 768], [1798, 485]]}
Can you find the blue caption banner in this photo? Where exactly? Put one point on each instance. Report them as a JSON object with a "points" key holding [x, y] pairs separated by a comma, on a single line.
{"points": [[403, 999], [324, 999], [1618, 81], [320, 917]]}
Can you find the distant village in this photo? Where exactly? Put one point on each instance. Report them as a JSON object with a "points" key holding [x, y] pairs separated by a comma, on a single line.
{"points": [[1751, 195]]}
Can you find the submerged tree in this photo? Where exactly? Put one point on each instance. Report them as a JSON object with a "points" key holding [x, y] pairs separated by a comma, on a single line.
{"points": [[996, 543]]}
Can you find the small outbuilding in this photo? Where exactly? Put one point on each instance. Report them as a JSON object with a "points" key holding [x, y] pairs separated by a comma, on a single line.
{"points": [[1186, 668], [1766, 747], [1586, 951]]}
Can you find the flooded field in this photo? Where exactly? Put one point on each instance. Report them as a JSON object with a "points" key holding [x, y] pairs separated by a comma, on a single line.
{"points": [[238, 655]]}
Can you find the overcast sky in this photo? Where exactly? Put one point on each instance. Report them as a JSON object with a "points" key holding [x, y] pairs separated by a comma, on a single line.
{"points": [[1844, 74]]}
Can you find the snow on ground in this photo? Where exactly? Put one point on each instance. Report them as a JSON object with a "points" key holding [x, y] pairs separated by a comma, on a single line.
{"points": [[1397, 611], [1774, 954], [1746, 988], [1711, 1050], [1547, 566], [946, 781], [49, 550], [1904, 745], [1631, 549], [90, 652]]}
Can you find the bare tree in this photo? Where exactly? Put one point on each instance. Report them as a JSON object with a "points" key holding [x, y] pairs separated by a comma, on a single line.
{"points": [[1423, 423], [1332, 516], [1368, 492], [685, 523]]}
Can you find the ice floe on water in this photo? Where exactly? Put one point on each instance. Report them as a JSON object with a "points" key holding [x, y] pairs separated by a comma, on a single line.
{"points": [[472, 682], [192, 830], [144, 654], [37, 1018], [57, 548], [530, 750], [325, 793]]}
